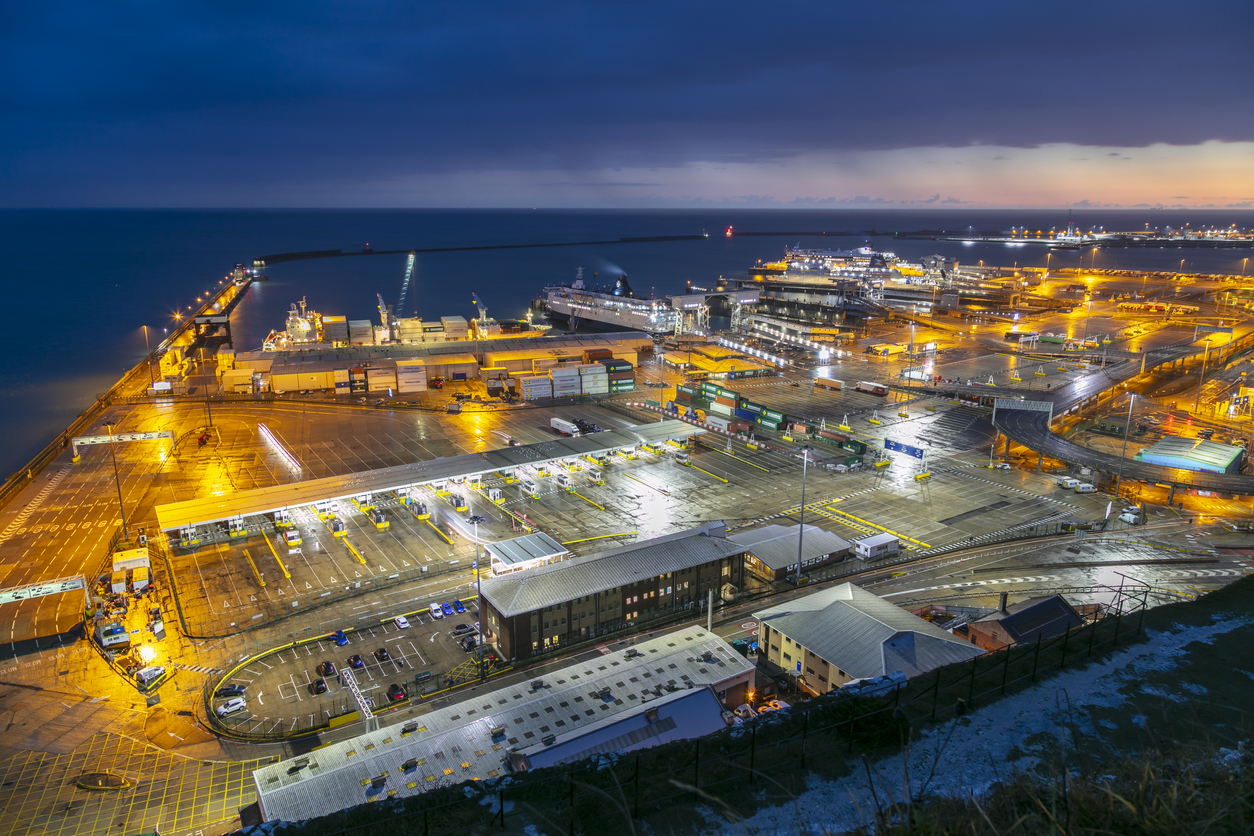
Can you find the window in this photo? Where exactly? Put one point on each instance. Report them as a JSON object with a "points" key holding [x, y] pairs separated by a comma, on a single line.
{"points": [[810, 671], [775, 648], [535, 629], [546, 625], [726, 571], [787, 658]]}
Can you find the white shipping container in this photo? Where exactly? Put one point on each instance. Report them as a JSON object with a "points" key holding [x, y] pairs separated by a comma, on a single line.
{"points": [[380, 380], [721, 409], [565, 372], [717, 422]]}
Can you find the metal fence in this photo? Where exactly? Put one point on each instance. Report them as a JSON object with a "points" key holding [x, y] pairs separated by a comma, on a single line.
{"points": [[765, 761]]}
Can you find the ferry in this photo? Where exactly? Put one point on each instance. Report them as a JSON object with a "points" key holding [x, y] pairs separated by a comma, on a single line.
{"points": [[617, 309]]}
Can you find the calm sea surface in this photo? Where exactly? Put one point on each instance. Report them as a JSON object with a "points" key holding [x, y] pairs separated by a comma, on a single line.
{"points": [[78, 285]]}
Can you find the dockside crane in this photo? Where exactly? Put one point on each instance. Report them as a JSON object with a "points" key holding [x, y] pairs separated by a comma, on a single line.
{"points": [[386, 317]]}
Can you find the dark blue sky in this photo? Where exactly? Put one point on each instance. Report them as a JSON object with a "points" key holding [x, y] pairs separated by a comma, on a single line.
{"points": [[620, 104]]}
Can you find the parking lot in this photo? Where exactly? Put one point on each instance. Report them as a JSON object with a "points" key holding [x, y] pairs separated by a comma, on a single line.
{"points": [[280, 691]]}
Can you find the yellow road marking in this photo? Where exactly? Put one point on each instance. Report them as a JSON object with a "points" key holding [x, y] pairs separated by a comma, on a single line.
{"points": [[277, 559], [256, 574]]}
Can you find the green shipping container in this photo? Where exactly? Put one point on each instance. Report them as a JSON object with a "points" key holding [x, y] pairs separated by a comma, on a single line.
{"points": [[700, 403], [855, 446], [686, 389], [751, 407], [766, 422], [773, 414]]}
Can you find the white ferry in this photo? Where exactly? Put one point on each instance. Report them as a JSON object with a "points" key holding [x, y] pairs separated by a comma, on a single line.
{"points": [[615, 310]]}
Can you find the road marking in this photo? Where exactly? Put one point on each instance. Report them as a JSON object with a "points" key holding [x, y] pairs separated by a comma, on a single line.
{"points": [[259, 700]]}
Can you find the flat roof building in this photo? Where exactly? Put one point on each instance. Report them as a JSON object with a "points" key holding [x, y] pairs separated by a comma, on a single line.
{"points": [[577, 705], [771, 551], [846, 633], [525, 552], [547, 608], [1194, 454]]}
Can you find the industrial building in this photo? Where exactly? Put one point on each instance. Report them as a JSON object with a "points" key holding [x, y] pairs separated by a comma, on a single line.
{"points": [[525, 552], [547, 608], [772, 552], [845, 633], [603, 704], [1022, 623], [368, 368], [1194, 454]]}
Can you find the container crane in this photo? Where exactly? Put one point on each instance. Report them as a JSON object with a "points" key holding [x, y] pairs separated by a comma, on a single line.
{"points": [[409, 274]]}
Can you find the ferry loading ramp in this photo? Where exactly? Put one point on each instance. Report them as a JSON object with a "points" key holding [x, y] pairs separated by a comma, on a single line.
{"points": [[176, 516]]}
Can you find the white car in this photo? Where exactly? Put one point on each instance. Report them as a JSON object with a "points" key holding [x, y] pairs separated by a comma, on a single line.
{"points": [[401, 622], [230, 707], [1001, 466]]}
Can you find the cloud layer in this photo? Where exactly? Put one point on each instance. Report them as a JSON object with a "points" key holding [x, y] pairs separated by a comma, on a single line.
{"points": [[553, 103]]}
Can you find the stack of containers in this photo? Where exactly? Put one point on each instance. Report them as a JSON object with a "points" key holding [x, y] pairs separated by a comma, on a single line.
{"points": [[565, 381], [621, 375], [536, 388], [360, 332], [594, 379], [724, 403]]}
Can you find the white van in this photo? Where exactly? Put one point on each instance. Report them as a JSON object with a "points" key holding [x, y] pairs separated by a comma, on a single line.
{"points": [[1130, 519], [435, 611], [149, 675], [1085, 487], [230, 706], [1068, 482]]}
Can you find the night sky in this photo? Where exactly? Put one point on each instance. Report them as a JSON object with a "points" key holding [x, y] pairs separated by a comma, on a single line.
{"points": [[665, 104]]}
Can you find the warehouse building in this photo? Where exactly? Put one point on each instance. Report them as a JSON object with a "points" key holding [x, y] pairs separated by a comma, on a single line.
{"points": [[845, 633], [600, 705], [1194, 454], [771, 552], [542, 610]]}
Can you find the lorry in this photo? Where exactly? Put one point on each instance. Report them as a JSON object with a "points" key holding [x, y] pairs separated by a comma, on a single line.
{"points": [[829, 383], [871, 388], [564, 427]]}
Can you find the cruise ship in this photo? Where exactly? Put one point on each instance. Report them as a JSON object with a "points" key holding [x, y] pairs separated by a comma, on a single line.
{"points": [[614, 310]]}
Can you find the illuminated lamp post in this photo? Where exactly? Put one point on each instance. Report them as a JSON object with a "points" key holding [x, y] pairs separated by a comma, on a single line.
{"points": [[1127, 428], [117, 478], [801, 529], [475, 520], [1202, 381]]}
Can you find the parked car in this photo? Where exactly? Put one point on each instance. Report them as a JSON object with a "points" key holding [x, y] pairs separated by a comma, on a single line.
{"points": [[230, 707], [463, 629], [458, 606], [1001, 466], [231, 690], [382, 654], [318, 686], [355, 662], [326, 669], [396, 693], [469, 644], [447, 608], [745, 712], [401, 622], [340, 638], [435, 611]]}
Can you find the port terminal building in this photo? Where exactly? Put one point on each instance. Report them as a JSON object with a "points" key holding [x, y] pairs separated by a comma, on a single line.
{"points": [[678, 685], [550, 607]]}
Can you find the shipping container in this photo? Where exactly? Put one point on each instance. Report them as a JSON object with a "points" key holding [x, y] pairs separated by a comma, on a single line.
{"points": [[719, 408], [750, 407], [829, 383], [718, 422], [335, 329], [871, 388], [340, 377]]}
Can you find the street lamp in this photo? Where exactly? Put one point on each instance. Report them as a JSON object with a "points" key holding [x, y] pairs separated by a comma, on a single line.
{"points": [[117, 478], [151, 379], [475, 520], [1086, 320], [1202, 381], [1127, 428], [801, 530]]}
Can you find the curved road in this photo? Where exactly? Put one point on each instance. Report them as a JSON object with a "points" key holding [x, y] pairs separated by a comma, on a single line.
{"points": [[1031, 429]]}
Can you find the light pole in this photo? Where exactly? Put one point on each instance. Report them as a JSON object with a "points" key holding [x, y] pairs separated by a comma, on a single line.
{"points": [[148, 350], [801, 529], [117, 478], [1086, 320], [1244, 262], [475, 520], [1127, 428], [1202, 381]]}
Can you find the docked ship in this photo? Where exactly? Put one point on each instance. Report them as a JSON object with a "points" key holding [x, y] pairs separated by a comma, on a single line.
{"points": [[616, 309]]}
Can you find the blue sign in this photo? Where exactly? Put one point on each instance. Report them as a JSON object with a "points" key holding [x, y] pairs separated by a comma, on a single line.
{"points": [[1242, 400], [898, 447]]}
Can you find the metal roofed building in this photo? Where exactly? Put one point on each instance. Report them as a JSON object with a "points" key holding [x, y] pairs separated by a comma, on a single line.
{"points": [[472, 738], [771, 551], [681, 715], [1024, 622], [549, 607], [175, 516], [1193, 454], [525, 552], [846, 633]]}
